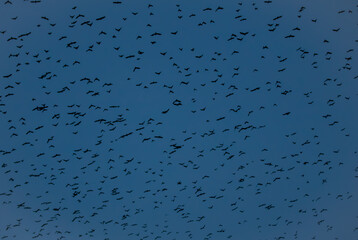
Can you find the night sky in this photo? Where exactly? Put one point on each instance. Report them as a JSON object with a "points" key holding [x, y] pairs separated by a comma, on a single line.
{"points": [[178, 119]]}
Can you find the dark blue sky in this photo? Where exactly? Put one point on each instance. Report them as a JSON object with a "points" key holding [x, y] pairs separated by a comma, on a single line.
{"points": [[178, 120]]}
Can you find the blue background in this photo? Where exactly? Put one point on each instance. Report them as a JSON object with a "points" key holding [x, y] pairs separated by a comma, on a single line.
{"points": [[225, 164]]}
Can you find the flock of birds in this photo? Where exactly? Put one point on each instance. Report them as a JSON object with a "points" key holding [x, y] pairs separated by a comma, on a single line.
{"points": [[178, 120]]}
